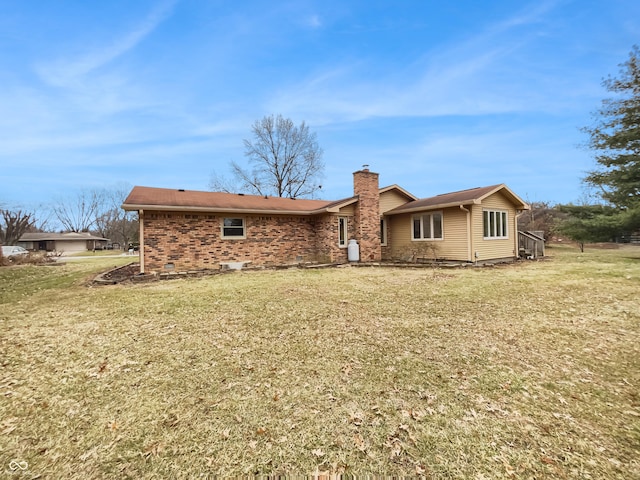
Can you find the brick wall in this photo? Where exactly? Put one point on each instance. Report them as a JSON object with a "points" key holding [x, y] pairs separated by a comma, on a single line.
{"points": [[327, 239], [367, 215], [194, 241]]}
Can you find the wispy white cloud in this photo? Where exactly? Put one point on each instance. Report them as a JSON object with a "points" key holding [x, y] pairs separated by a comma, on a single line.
{"points": [[70, 72], [457, 79]]}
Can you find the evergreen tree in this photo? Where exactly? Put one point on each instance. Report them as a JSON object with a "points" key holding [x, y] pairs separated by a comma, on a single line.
{"points": [[589, 223], [615, 138]]}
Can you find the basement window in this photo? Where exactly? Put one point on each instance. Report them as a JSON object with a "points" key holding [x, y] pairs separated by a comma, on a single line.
{"points": [[494, 224], [233, 228]]}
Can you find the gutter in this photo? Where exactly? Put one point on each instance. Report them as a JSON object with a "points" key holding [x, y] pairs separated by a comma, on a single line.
{"points": [[425, 208], [177, 208], [469, 238]]}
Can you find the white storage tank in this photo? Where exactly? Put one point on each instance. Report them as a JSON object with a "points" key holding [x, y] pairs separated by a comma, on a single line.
{"points": [[353, 251]]}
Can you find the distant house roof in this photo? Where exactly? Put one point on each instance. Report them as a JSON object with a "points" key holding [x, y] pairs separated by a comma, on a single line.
{"points": [[462, 197], [69, 236], [149, 198]]}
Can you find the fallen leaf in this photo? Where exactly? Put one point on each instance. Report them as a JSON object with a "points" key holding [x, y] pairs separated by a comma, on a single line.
{"points": [[417, 414], [170, 420], [154, 449], [356, 418], [317, 452], [396, 449], [359, 442], [103, 366]]}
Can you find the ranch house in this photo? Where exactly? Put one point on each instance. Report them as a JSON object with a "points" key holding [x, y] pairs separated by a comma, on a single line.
{"points": [[186, 230]]}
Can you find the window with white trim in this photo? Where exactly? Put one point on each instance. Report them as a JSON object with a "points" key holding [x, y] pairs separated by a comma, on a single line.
{"points": [[342, 231], [427, 226], [233, 227], [494, 224], [383, 231]]}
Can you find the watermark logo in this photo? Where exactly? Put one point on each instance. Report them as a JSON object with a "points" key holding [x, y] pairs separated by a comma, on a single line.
{"points": [[18, 466]]}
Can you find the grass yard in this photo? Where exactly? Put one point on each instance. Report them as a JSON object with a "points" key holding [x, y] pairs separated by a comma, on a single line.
{"points": [[523, 371]]}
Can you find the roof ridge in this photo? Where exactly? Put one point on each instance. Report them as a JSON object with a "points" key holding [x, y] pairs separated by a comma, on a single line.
{"points": [[234, 194], [467, 190]]}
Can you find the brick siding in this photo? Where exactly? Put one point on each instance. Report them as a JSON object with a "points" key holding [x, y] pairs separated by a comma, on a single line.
{"points": [[367, 215], [194, 241]]}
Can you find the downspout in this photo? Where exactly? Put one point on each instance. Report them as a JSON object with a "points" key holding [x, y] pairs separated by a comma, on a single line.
{"points": [[141, 239], [515, 228], [469, 239]]}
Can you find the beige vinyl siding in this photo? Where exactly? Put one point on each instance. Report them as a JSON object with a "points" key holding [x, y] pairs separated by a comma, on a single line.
{"points": [[348, 211], [453, 245], [496, 247], [390, 200], [399, 231]]}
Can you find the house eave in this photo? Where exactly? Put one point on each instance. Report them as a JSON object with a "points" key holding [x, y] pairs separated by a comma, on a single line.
{"points": [[515, 199], [55, 237], [439, 206], [399, 189], [336, 206], [240, 211]]}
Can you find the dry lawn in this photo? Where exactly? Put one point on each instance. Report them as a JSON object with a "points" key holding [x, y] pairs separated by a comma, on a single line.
{"points": [[523, 371]]}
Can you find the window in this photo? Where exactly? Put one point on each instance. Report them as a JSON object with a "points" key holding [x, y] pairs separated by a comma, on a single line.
{"points": [[342, 231], [427, 226], [233, 228], [383, 231], [494, 224]]}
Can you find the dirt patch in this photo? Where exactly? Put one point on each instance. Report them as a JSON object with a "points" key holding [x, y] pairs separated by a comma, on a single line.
{"points": [[120, 274]]}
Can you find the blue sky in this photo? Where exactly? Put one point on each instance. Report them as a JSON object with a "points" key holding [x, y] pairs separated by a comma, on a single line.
{"points": [[434, 96]]}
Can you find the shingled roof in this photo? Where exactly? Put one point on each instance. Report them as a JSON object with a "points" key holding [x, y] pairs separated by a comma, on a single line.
{"points": [[462, 197], [150, 198], [41, 237]]}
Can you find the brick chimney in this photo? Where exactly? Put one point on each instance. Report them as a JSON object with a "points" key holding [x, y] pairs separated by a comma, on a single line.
{"points": [[367, 214]]}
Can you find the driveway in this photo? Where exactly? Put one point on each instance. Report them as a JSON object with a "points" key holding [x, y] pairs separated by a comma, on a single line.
{"points": [[66, 258]]}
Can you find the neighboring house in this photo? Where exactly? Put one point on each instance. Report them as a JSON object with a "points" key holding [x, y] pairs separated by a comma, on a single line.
{"points": [[71, 242], [190, 230]]}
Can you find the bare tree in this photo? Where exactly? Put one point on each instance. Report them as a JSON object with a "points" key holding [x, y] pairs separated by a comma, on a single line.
{"points": [[219, 183], [14, 225], [115, 223], [286, 161], [79, 213], [541, 217]]}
